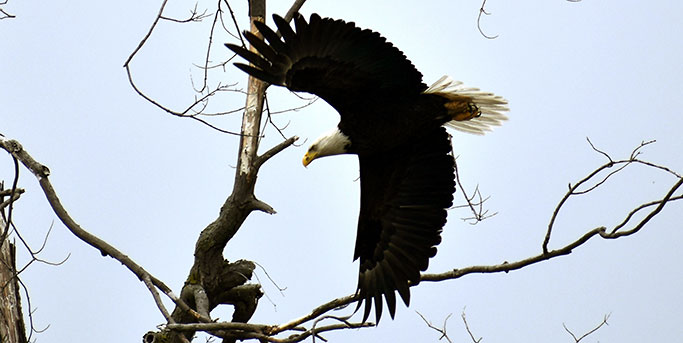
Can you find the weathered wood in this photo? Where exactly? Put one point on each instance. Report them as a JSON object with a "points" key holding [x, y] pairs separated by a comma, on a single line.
{"points": [[12, 329], [220, 280]]}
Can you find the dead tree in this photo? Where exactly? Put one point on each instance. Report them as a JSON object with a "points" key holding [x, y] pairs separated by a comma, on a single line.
{"points": [[212, 281], [12, 328]]}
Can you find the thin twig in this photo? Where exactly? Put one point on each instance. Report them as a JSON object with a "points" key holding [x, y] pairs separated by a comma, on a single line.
{"points": [[578, 339], [478, 213], [194, 16], [149, 33], [483, 11], [11, 196], [467, 327], [208, 47], [6, 15], [441, 330]]}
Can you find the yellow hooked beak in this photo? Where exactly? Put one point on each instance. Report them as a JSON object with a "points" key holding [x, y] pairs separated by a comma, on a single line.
{"points": [[309, 157]]}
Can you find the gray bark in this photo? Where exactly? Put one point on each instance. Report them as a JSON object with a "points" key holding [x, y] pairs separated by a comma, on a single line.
{"points": [[12, 328]]}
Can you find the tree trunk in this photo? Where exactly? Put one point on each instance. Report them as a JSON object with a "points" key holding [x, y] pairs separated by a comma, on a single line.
{"points": [[12, 329]]}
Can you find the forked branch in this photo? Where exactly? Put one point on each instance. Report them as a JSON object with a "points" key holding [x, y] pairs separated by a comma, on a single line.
{"points": [[617, 231], [590, 332]]}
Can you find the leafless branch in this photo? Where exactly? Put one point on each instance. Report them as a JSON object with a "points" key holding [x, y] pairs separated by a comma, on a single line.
{"points": [[620, 164], [34, 253], [642, 207], [270, 119], [467, 327], [149, 33], [601, 231], [608, 157], [13, 191], [42, 172], [195, 16], [184, 113], [242, 201], [234, 21], [200, 103], [578, 339], [157, 298], [14, 197], [31, 324], [317, 312], [265, 333], [260, 160], [296, 6], [208, 47], [198, 106], [298, 108], [441, 330], [476, 206], [4, 14], [14, 194], [483, 11]]}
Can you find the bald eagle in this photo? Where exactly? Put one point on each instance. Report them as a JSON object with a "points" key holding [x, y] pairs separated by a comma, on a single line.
{"points": [[394, 123]]}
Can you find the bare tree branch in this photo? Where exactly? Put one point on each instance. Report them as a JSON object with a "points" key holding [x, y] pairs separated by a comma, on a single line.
{"points": [[13, 191], [578, 339], [202, 100], [219, 12], [483, 11], [602, 231], [260, 160], [14, 196], [196, 109], [213, 281], [42, 172], [296, 6], [476, 206], [441, 330], [574, 189], [268, 333], [149, 33], [467, 327], [4, 14], [195, 16]]}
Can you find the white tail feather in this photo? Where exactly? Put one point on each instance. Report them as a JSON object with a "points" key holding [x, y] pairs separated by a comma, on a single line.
{"points": [[490, 105]]}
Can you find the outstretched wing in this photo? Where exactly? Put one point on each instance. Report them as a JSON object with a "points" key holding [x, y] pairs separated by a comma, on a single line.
{"points": [[330, 58], [404, 197]]}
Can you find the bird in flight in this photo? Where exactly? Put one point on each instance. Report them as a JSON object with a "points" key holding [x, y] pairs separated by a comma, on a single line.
{"points": [[394, 123]]}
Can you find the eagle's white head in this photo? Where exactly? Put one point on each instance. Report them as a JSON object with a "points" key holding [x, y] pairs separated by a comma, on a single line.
{"points": [[332, 143]]}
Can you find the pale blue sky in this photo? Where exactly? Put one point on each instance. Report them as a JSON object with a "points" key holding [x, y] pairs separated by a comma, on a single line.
{"points": [[148, 183]]}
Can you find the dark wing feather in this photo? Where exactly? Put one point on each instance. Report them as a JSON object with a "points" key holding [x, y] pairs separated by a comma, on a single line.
{"points": [[266, 50], [332, 59], [404, 196], [285, 30], [272, 38]]}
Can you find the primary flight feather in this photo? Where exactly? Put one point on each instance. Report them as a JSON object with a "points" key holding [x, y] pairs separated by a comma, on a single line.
{"points": [[394, 123]]}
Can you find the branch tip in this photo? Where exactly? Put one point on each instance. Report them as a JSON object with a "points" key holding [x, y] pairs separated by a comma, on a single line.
{"points": [[262, 206]]}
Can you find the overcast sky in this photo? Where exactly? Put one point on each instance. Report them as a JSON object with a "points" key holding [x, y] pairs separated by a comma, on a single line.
{"points": [[148, 182]]}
